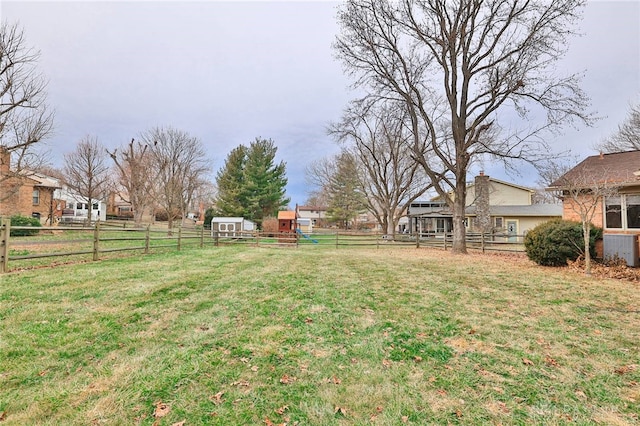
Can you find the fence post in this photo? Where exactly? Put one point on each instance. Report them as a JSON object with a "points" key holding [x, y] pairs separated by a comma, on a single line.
{"points": [[5, 231], [417, 240], [96, 240], [257, 234], [179, 237], [337, 239], [482, 241], [147, 238], [202, 237], [445, 241], [215, 238]]}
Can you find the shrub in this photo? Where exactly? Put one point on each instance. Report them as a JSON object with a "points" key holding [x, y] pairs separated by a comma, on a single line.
{"points": [[19, 220], [555, 242]]}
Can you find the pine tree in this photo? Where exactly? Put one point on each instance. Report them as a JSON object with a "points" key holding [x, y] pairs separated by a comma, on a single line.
{"points": [[231, 198], [250, 184], [265, 181]]}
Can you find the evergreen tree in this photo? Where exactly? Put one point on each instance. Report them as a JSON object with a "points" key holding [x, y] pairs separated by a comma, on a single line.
{"points": [[265, 181], [250, 184], [231, 199]]}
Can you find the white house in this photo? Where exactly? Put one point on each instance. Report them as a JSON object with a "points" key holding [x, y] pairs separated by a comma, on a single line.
{"points": [[76, 207]]}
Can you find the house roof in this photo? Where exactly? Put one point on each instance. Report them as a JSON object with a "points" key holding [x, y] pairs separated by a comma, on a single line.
{"points": [[616, 168], [287, 214], [312, 208], [550, 210], [42, 180], [502, 182]]}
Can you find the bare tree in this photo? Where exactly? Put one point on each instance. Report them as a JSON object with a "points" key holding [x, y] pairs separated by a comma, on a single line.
{"points": [[379, 140], [477, 79], [627, 137], [136, 175], [180, 165], [582, 191], [339, 178], [25, 119], [86, 171]]}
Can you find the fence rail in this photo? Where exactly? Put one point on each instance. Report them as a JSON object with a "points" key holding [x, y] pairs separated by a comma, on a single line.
{"points": [[97, 241]]}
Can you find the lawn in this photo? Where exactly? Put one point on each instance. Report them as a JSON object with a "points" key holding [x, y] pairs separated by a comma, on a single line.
{"points": [[260, 336]]}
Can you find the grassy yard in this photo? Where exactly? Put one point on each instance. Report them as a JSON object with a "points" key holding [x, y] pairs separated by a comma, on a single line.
{"points": [[258, 336]]}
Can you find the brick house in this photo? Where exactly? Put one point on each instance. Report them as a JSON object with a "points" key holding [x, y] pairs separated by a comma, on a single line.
{"points": [[617, 177], [26, 193]]}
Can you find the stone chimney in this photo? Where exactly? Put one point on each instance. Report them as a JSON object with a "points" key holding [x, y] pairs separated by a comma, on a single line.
{"points": [[5, 160], [482, 203]]}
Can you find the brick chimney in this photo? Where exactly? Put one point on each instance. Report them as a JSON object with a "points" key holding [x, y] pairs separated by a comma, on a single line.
{"points": [[5, 160], [482, 203]]}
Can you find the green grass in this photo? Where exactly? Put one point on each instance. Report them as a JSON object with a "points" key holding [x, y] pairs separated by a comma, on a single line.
{"points": [[244, 335]]}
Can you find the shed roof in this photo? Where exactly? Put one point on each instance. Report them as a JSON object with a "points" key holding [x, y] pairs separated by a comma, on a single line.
{"points": [[287, 214]]}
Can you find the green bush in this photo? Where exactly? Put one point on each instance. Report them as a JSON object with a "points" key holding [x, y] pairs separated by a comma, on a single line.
{"points": [[554, 242], [19, 220]]}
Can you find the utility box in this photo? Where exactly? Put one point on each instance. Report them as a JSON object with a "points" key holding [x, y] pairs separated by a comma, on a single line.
{"points": [[621, 246]]}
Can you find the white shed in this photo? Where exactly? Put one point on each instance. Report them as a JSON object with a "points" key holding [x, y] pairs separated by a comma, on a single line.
{"points": [[231, 226]]}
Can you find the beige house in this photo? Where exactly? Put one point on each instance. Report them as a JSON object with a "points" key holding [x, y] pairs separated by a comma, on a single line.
{"points": [[493, 206]]}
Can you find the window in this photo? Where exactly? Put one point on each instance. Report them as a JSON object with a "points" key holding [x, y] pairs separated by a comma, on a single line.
{"points": [[36, 197], [498, 222], [222, 227], [622, 212], [95, 206], [633, 211]]}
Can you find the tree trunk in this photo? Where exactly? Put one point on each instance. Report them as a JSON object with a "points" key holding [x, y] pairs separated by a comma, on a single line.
{"points": [[586, 231], [459, 232]]}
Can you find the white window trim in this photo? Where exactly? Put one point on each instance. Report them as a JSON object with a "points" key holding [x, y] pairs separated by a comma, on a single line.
{"points": [[623, 214]]}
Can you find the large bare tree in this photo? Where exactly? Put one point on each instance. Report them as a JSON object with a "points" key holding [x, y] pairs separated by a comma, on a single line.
{"points": [[379, 139], [627, 137], [86, 171], [25, 119], [180, 165], [136, 175], [477, 78]]}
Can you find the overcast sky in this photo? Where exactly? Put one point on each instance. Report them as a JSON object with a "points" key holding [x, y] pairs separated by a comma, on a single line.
{"points": [[228, 72]]}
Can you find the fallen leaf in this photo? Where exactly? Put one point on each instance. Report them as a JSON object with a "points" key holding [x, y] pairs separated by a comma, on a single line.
{"points": [[254, 368], [625, 369], [217, 398], [580, 394], [526, 361], [442, 392], [3, 416], [179, 423], [340, 410], [286, 379], [458, 414], [405, 419], [244, 383], [472, 331], [161, 410], [308, 320], [282, 409], [245, 360], [417, 358], [335, 380], [379, 409], [43, 373], [550, 361], [268, 422], [432, 379], [386, 363]]}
